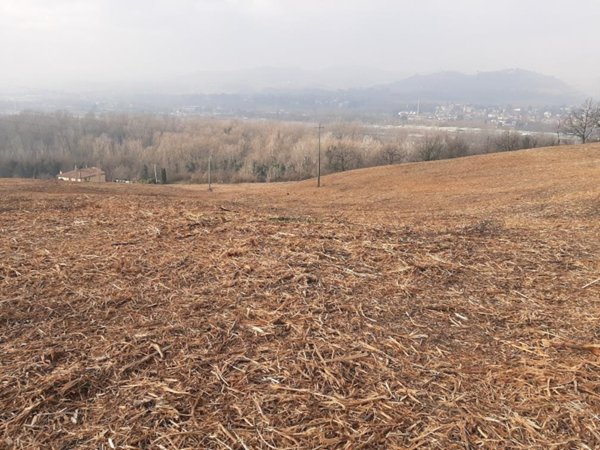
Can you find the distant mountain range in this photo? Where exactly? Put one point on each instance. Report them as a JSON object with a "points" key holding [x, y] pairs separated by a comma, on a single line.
{"points": [[300, 94], [372, 88]]}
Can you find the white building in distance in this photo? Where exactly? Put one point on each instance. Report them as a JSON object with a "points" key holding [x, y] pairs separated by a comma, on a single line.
{"points": [[89, 174]]}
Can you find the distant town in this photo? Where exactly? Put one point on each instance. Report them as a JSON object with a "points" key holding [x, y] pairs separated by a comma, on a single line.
{"points": [[506, 117], [524, 118]]}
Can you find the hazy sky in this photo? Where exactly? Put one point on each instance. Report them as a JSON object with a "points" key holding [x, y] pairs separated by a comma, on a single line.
{"points": [[46, 43]]}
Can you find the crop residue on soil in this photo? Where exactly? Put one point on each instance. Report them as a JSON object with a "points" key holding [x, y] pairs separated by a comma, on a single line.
{"points": [[141, 317]]}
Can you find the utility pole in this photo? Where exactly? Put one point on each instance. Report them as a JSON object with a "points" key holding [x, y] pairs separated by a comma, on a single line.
{"points": [[320, 127], [209, 167]]}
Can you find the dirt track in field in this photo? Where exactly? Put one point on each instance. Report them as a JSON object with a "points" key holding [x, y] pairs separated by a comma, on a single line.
{"points": [[452, 304]]}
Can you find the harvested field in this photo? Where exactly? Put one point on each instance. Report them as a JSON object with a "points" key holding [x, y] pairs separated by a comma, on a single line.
{"points": [[442, 305]]}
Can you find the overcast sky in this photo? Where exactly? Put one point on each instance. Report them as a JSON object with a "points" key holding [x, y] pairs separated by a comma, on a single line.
{"points": [[47, 43]]}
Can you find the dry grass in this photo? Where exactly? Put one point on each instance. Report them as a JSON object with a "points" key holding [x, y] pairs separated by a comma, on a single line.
{"points": [[441, 305]]}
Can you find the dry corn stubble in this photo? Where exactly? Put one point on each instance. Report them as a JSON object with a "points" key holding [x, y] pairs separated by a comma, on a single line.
{"points": [[146, 317]]}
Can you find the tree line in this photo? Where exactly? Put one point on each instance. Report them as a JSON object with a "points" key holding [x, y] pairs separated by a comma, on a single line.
{"points": [[39, 145]]}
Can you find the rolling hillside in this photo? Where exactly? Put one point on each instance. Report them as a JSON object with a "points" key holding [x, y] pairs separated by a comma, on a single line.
{"points": [[491, 182], [451, 304], [501, 183]]}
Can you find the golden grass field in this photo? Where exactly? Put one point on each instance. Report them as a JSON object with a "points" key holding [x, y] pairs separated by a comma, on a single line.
{"points": [[451, 304]]}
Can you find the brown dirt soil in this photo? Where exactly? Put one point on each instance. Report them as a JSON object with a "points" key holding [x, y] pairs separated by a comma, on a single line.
{"points": [[452, 304]]}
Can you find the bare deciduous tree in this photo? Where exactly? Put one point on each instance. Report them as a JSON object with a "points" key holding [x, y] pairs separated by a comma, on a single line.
{"points": [[432, 148], [390, 154], [342, 156], [456, 147], [508, 142], [584, 121]]}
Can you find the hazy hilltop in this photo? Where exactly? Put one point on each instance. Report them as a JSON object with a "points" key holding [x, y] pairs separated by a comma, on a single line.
{"points": [[499, 87]]}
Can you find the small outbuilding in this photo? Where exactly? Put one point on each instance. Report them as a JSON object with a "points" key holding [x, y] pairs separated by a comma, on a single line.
{"points": [[89, 174]]}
